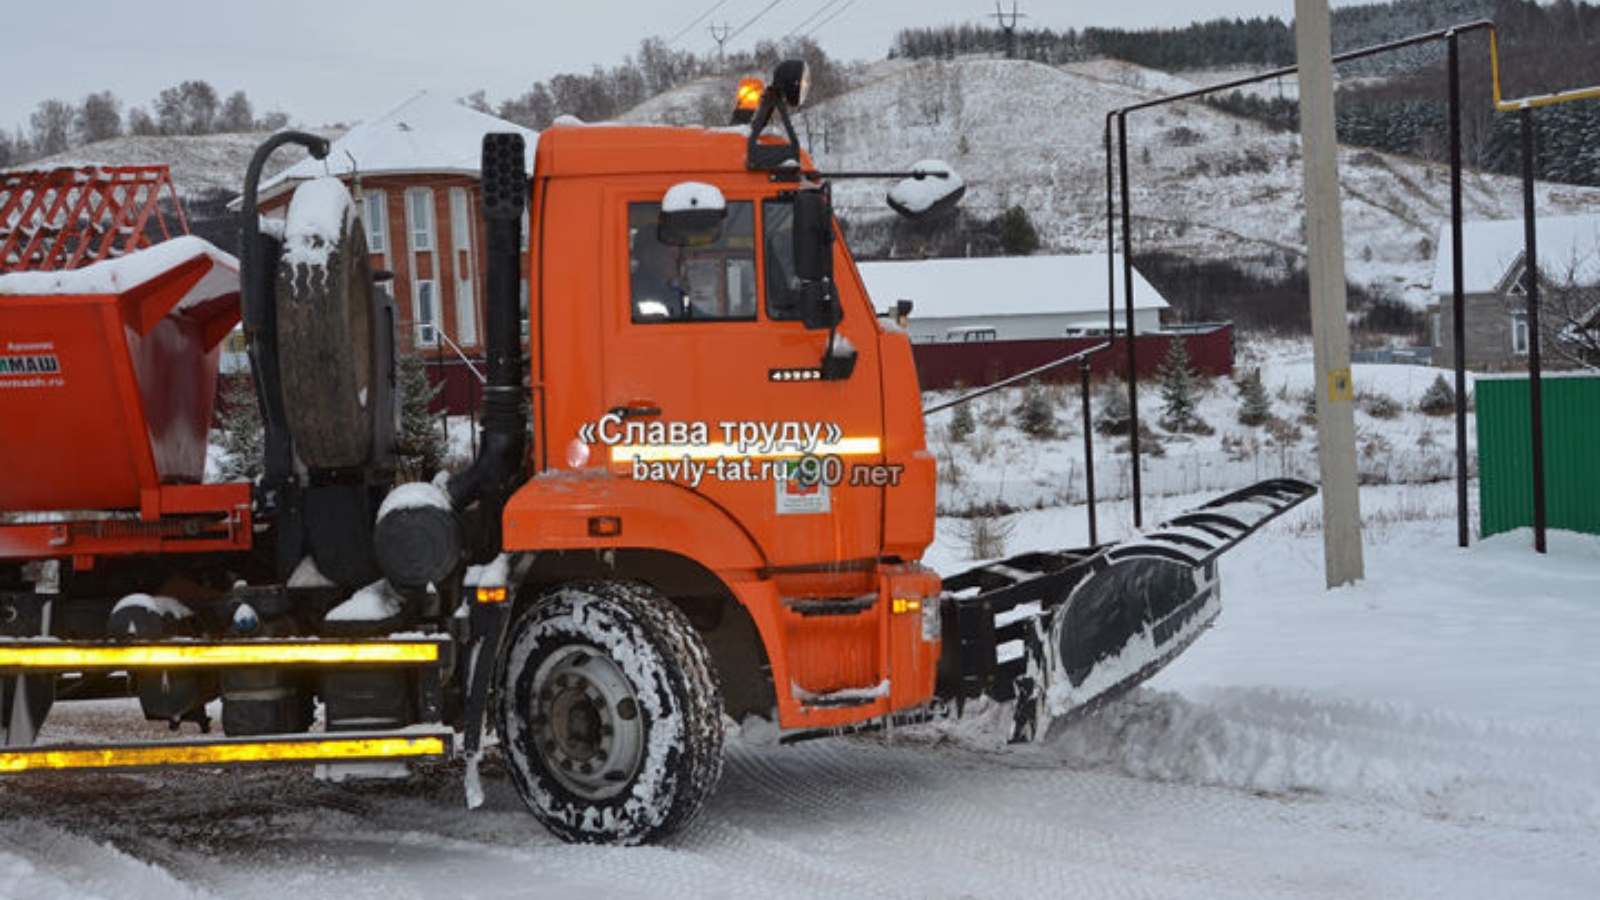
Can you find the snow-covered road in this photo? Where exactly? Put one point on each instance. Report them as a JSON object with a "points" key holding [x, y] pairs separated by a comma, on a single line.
{"points": [[1431, 732]]}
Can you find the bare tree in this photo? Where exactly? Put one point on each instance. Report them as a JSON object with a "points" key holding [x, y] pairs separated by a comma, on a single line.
{"points": [[141, 123], [534, 109], [237, 114], [52, 127], [1569, 309], [12, 149], [99, 118], [189, 108]]}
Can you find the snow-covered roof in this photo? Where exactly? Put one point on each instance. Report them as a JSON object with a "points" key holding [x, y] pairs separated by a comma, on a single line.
{"points": [[423, 134], [1002, 286], [1569, 249], [118, 276]]}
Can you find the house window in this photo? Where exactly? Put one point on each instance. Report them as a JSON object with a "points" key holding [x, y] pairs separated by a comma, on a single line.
{"points": [[419, 217], [466, 268], [426, 314], [375, 215], [1519, 333]]}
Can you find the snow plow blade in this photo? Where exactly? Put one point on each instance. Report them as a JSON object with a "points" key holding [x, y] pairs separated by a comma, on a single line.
{"points": [[1058, 633]]}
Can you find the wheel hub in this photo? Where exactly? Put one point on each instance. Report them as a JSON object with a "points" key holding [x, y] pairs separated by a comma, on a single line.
{"points": [[588, 729]]}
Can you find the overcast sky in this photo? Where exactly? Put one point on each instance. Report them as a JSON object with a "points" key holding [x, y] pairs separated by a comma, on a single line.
{"points": [[326, 61]]}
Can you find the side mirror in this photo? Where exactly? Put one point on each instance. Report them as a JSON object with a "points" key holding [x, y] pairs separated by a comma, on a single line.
{"points": [[813, 260], [933, 187], [691, 215]]}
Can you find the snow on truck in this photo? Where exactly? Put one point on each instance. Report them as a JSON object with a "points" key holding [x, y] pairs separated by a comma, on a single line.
{"points": [[701, 493]]}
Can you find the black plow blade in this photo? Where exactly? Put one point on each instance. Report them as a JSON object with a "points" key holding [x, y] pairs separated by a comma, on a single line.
{"points": [[1058, 640]]}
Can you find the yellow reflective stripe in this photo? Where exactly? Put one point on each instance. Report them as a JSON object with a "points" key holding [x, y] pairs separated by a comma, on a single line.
{"points": [[222, 753], [46, 656], [626, 453]]}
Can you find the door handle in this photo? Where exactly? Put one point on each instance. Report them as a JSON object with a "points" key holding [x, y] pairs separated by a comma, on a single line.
{"points": [[637, 410]]}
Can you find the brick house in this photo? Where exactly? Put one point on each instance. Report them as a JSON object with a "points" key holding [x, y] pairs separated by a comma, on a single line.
{"points": [[414, 174], [1495, 290]]}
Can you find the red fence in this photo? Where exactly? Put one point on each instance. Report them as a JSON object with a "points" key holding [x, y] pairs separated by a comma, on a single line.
{"points": [[977, 363]]}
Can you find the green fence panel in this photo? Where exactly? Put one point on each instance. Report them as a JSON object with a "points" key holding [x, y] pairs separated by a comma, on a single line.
{"points": [[1571, 453]]}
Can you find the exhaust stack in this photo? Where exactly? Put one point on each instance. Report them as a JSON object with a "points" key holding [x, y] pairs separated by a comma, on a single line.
{"points": [[419, 544]]}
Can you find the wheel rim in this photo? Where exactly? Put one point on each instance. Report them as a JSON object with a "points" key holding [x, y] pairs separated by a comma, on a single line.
{"points": [[587, 726]]}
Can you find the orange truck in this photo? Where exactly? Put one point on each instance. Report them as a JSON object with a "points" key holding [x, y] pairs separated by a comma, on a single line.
{"points": [[702, 493]]}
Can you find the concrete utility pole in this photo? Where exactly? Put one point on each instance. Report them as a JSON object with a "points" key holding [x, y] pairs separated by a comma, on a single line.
{"points": [[1330, 327]]}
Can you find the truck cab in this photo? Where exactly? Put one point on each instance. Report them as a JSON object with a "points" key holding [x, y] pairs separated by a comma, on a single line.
{"points": [[692, 431]]}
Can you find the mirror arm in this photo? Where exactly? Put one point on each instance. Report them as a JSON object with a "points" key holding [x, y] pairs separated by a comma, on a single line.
{"points": [[846, 176]]}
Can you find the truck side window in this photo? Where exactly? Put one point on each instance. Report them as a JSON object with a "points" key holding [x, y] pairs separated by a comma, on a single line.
{"points": [[777, 228], [713, 282]]}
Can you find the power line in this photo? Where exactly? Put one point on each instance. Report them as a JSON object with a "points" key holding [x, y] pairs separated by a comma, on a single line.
{"points": [[836, 13], [809, 19], [698, 19], [753, 19]]}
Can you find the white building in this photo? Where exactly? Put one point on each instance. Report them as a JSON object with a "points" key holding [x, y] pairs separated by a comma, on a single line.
{"points": [[1008, 298]]}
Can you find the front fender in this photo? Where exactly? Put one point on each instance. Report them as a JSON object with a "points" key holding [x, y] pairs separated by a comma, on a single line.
{"points": [[596, 510]]}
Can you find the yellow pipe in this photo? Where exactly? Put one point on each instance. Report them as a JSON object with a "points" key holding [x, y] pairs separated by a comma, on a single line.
{"points": [[1521, 103]]}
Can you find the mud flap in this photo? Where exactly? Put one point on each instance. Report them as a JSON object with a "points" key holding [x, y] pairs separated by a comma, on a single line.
{"points": [[25, 700]]}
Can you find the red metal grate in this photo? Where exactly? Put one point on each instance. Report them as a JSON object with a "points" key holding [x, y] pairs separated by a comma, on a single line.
{"points": [[70, 218]]}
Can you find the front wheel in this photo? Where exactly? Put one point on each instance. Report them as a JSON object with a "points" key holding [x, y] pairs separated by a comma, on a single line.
{"points": [[609, 714]]}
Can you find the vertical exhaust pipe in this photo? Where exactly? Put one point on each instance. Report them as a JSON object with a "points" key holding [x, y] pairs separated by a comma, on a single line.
{"points": [[498, 469]]}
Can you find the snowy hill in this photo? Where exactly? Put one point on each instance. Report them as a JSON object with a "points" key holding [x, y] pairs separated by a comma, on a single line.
{"points": [[1205, 184], [199, 165]]}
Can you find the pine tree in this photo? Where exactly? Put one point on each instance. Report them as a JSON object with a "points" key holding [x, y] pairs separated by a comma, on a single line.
{"points": [[1037, 418], [421, 444], [1018, 237], [242, 439], [1179, 390], [1255, 407], [1115, 415], [962, 424], [1439, 399]]}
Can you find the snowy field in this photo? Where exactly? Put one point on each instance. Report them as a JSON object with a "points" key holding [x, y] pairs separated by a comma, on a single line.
{"points": [[1433, 731]]}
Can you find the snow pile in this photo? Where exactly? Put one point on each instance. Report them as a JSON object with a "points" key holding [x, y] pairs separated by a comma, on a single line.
{"points": [[933, 181], [690, 196], [116, 276], [373, 603], [307, 575], [165, 607], [38, 862], [1285, 743], [319, 213], [414, 495]]}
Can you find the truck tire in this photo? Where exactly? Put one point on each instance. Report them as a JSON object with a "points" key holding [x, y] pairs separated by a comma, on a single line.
{"points": [[609, 714]]}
